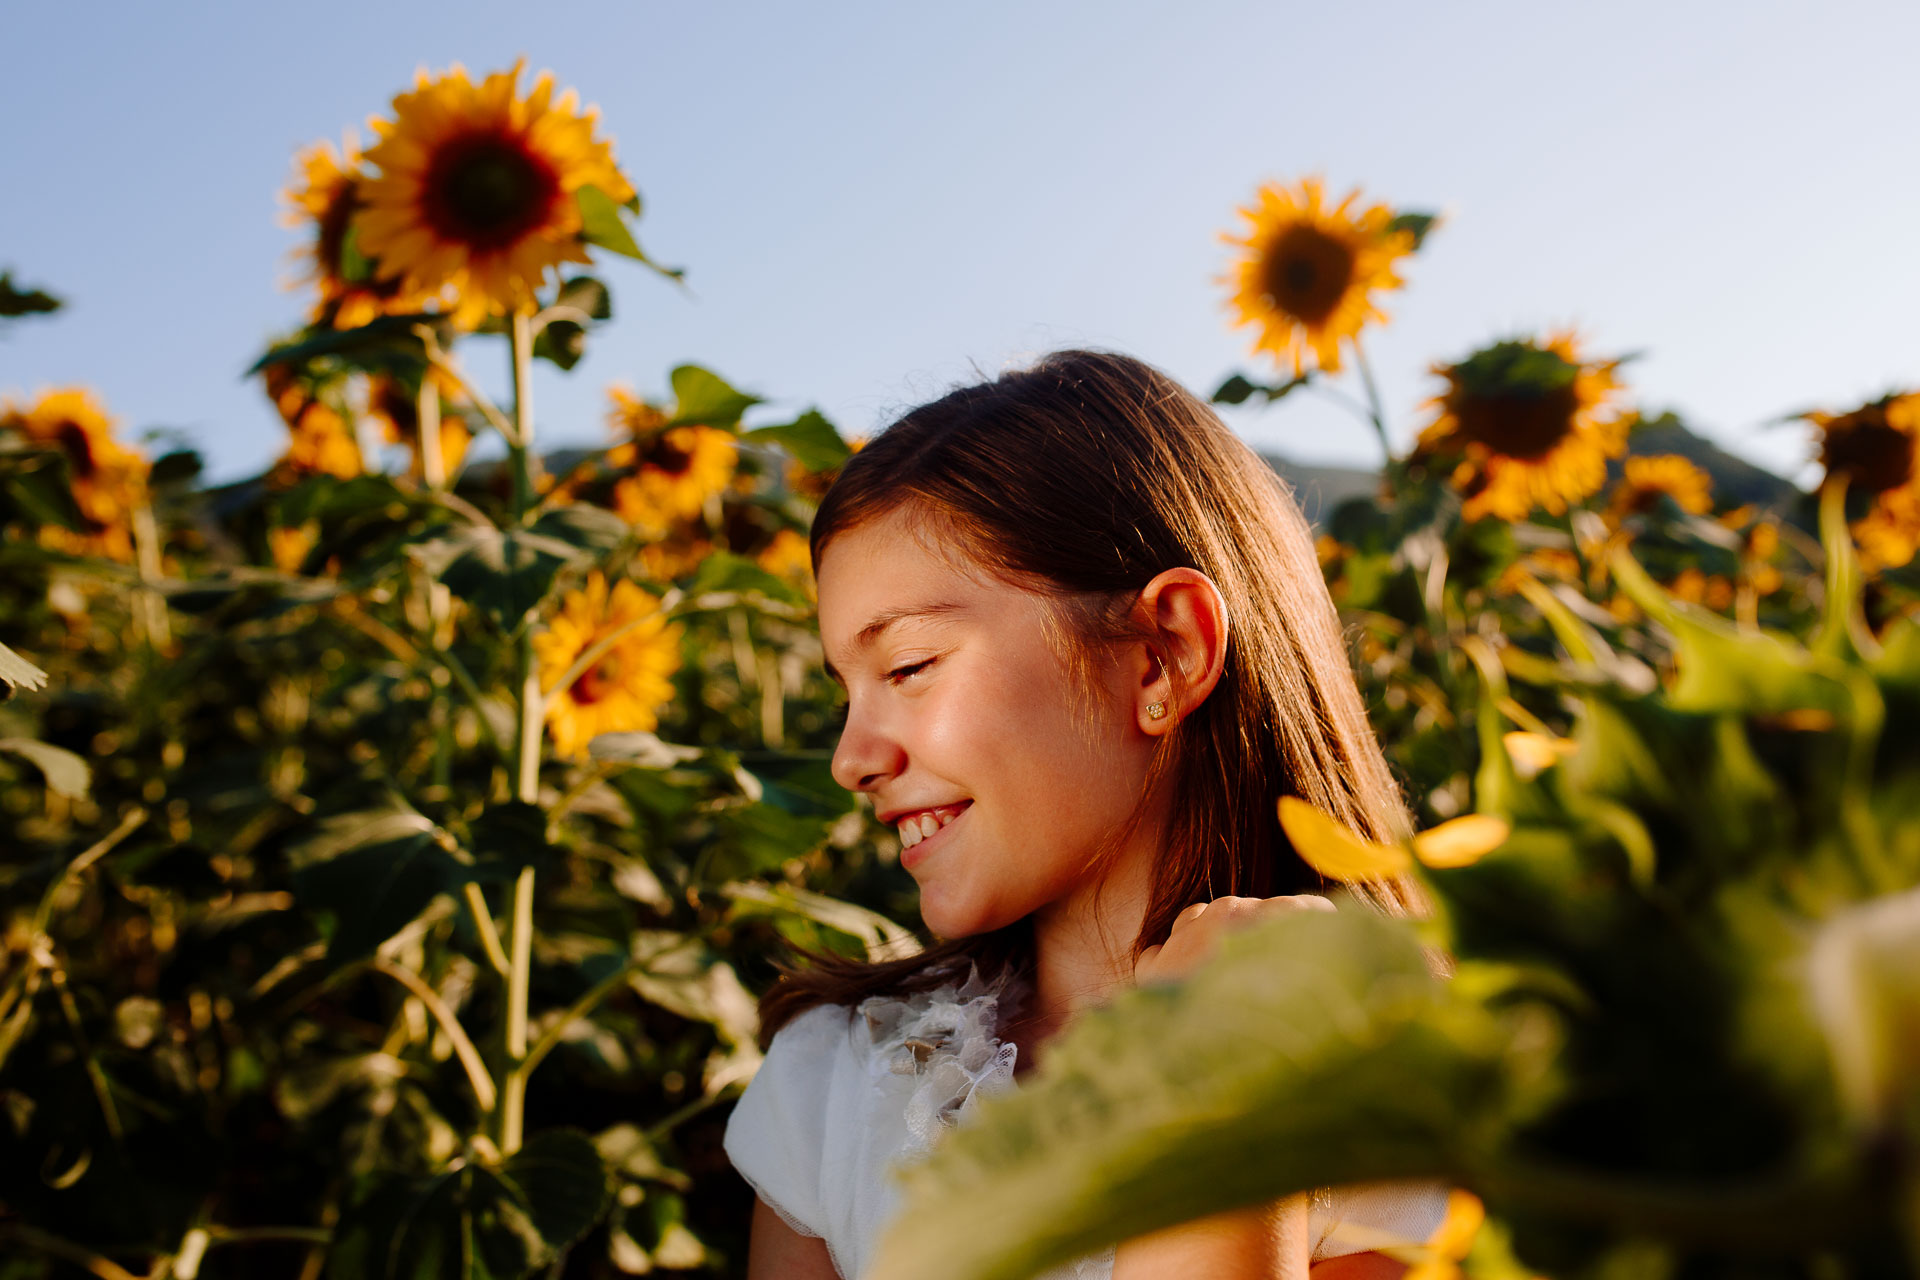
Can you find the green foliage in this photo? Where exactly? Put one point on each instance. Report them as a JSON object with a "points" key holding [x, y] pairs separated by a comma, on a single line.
{"points": [[1320, 1052], [16, 301], [603, 225], [318, 960], [1680, 1034]]}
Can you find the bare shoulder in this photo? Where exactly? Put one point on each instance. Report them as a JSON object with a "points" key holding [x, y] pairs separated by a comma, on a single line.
{"points": [[778, 1252]]}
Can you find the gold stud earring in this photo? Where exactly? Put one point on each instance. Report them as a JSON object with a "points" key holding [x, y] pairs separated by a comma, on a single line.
{"points": [[1156, 711]]}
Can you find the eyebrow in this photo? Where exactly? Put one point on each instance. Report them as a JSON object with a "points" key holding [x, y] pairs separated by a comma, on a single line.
{"points": [[865, 637]]}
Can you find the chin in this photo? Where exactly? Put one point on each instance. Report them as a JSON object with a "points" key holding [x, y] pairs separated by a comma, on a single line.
{"points": [[949, 920]]}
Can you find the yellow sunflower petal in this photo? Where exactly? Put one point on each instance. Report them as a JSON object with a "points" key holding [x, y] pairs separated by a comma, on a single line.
{"points": [[1327, 846], [1461, 842], [1534, 753]]}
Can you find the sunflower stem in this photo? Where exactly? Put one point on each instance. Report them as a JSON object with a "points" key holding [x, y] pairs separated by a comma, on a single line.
{"points": [[1375, 412], [433, 465], [513, 1098], [150, 608]]}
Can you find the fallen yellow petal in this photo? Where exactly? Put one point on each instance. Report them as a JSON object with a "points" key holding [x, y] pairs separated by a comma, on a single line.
{"points": [[1462, 842], [1326, 845]]}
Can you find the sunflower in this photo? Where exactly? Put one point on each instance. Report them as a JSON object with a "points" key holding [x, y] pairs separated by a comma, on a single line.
{"points": [[319, 440], [624, 690], [1531, 423], [1646, 480], [1873, 449], [671, 471], [109, 481], [1309, 272], [328, 192], [476, 188], [788, 558], [396, 407]]}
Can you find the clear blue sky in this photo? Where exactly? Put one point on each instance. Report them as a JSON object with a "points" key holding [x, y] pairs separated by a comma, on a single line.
{"points": [[874, 199]]}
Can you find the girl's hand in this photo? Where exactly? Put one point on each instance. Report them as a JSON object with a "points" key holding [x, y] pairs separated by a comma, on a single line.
{"points": [[1197, 932]]}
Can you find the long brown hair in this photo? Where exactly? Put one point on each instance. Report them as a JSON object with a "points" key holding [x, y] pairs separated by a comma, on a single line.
{"points": [[1083, 477]]}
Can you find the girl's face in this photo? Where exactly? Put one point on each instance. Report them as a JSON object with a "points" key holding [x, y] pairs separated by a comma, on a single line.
{"points": [[963, 721]]}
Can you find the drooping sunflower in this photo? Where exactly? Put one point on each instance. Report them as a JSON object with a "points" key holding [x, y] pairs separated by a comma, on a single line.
{"points": [[323, 199], [624, 690], [475, 194], [1531, 424], [109, 480], [319, 440], [1308, 273], [1646, 479], [670, 471], [396, 407], [1874, 448]]}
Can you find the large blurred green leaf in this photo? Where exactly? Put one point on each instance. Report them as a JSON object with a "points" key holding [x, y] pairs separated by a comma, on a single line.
{"points": [[1318, 1049], [812, 440], [1723, 668], [703, 398], [372, 344]]}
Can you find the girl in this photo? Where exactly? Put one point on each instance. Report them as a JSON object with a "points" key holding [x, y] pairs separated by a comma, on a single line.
{"points": [[1085, 644]]}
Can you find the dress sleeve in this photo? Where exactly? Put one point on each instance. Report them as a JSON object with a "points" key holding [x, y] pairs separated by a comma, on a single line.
{"points": [[1374, 1215], [777, 1133]]}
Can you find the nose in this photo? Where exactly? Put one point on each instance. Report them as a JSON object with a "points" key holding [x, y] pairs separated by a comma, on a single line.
{"points": [[866, 755]]}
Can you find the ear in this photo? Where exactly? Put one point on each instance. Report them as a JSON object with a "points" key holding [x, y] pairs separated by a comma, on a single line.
{"points": [[1186, 617]]}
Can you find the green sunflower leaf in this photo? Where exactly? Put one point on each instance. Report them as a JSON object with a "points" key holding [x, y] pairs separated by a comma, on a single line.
{"points": [[1317, 1050], [703, 398], [603, 225], [1415, 224], [812, 440]]}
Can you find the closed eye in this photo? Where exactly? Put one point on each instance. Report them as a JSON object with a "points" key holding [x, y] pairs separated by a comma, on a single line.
{"points": [[899, 674]]}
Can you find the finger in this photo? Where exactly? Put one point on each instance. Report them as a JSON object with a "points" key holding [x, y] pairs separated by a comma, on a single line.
{"points": [[1296, 902], [1190, 914]]}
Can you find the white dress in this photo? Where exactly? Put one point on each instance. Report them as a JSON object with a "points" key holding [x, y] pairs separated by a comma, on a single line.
{"points": [[844, 1094]]}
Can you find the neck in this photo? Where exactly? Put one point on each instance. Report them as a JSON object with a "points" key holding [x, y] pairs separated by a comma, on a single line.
{"points": [[1083, 945]]}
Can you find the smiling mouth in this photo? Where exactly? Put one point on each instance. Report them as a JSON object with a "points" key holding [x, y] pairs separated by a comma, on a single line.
{"points": [[926, 824]]}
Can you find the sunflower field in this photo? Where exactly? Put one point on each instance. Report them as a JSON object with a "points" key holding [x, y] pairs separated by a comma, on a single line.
{"points": [[394, 842]]}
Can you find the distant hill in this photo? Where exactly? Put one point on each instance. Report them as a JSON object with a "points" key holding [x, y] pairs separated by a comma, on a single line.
{"points": [[1319, 489]]}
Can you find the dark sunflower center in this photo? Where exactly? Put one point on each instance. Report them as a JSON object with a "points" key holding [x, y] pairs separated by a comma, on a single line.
{"points": [[1516, 398], [1873, 456], [333, 223], [78, 446], [486, 190], [595, 683], [670, 458], [1307, 273]]}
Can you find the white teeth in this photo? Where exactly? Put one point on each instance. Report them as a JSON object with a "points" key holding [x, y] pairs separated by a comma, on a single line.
{"points": [[919, 826]]}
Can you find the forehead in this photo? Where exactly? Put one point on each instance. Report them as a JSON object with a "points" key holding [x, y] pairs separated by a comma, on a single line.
{"points": [[888, 566]]}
